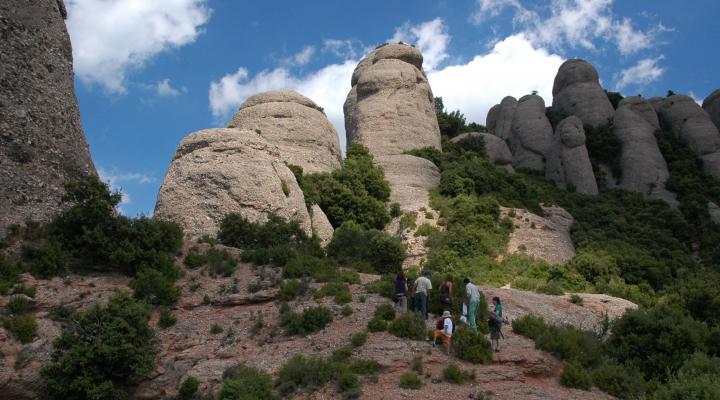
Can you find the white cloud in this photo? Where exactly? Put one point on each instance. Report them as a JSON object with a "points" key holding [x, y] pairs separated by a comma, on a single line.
{"points": [[340, 48], [164, 88], [430, 37], [573, 23], [645, 71], [114, 179], [113, 37], [513, 67], [300, 58]]}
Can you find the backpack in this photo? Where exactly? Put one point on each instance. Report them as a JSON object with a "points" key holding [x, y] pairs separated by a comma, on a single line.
{"points": [[440, 324], [494, 320]]}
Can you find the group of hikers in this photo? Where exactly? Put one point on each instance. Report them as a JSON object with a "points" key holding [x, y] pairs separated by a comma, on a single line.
{"points": [[420, 292]]}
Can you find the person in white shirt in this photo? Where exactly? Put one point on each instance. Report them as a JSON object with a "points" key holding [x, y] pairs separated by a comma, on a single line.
{"points": [[421, 289], [472, 299], [446, 332]]}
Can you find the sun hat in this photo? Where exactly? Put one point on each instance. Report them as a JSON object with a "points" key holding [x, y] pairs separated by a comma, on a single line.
{"points": [[447, 314]]}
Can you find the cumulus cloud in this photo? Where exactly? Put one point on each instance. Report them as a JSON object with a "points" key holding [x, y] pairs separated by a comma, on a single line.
{"points": [[113, 37], [300, 58], [573, 23], [645, 71], [430, 37], [344, 49], [164, 88]]}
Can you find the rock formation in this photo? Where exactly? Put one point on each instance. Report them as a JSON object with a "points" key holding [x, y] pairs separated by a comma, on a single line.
{"points": [[711, 104], [390, 110], [545, 238], [219, 171], [577, 91], [42, 145], [296, 125], [500, 117], [321, 225], [693, 125], [568, 163], [532, 134], [496, 149], [644, 169]]}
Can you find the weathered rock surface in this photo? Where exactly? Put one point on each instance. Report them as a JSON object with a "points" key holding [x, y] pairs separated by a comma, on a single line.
{"points": [[219, 171], [545, 238], [577, 91], [644, 169], [296, 125], [390, 108], [411, 178], [496, 148], [694, 127], [532, 134], [42, 145], [568, 163], [711, 104], [500, 117], [714, 211], [321, 225]]}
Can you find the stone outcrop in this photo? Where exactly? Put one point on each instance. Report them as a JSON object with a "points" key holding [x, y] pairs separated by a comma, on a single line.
{"points": [[499, 118], [390, 110], [296, 125], [577, 91], [711, 104], [532, 134], [42, 145], [693, 125], [219, 171], [545, 238], [496, 148], [644, 169], [714, 211], [568, 163], [321, 225]]}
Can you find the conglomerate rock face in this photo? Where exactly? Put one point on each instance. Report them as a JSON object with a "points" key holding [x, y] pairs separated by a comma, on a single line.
{"points": [[296, 125], [390, 110], [644, 169], [219, 171], [693, 125], [42, 145], [711, 104], [577, 91], [568, 162], [500, 117], [532, 134]]}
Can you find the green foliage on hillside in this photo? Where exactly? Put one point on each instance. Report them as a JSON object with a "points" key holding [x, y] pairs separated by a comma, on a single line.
{"points": [[353, 245], [453, 123]]}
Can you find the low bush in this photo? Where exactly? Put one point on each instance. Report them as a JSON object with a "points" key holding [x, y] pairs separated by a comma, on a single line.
{"points": [[426, 230], [384, 286], [339, 290], [220, 262], [290, 290], [216, 329], [408, 326], [9, 274], [167, 319], [18, 305], [155, 287], [471, 346], [22, 289], [193, 259], [22, 327], [346, 311], [410, 380], [117, 337], [408, 220], [454, 374], [384, 311], [377, 325], [347, 381], [242, 382], [576, 299], [364, 367], [304, 372], [575, 376], [695, 380], [351, 244], [619, 380], [189, 388], [358, 339], [311, 320]]}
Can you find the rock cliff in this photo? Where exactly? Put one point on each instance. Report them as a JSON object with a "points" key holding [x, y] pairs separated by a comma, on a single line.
{"points": [[42, 145], [711, 104], [532, 134], [576, 91], [568, 163]]}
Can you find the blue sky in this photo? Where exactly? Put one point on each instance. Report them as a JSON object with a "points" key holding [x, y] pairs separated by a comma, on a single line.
{"points": [[150, 72]]}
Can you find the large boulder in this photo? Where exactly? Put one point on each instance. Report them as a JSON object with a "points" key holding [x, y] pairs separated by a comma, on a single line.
{"points": [[496, 149], [411, 179], [711, 104], [568, 163], [390, 108], [644, 169], [321, 225], [296, 125], [532, 134], [577, 91], [42, 145], [694, 127], [500, 117], [219, 171]]}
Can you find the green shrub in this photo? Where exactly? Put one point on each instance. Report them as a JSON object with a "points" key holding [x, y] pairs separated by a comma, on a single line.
{"points": [[304, 372], [529, 326], [47, 259], [347, 381], [471, 346], [9, 274], [377, 325], [384, 286], [238, 231], [242, 382], [408, 326], [220, 262], [18, 305], [575, 376], [408, 220], [340, 290], [417, 364], [695, 380], [364, 367], [428, 153], [23, 327], [395, 210], [189, 388], [341, 354], [346, 311], [22, 289], [410, 380], [154, 287], [167, 319], [576, 299], [620, 381], [117, 337], [454, 374], [289, 290], [358, 339], [215, 329], [351, 243], [384, 311], [311, 320], [193, 259], [425, 230], [206, 300], [551, 288]]}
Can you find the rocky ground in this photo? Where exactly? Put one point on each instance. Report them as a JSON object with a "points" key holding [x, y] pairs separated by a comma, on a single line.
{"points": [[519, 371], [546, 238]]}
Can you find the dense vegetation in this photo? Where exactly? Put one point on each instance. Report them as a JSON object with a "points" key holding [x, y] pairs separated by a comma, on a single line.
{"points": [[453, 123]]}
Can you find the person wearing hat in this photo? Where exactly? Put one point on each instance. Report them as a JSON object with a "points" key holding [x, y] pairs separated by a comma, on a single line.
{"points": [[444, 329], [422, 288]]}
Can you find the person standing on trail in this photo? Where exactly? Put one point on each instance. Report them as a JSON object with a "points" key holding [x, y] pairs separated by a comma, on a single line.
{"points": [[444, 328], [472, 299], [446, 292], [401, 292], [422, 288], [495, 324]]}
